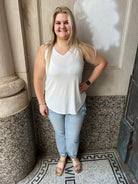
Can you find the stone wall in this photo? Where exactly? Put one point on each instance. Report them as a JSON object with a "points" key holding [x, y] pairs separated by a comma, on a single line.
{"points": [[99, 131]]}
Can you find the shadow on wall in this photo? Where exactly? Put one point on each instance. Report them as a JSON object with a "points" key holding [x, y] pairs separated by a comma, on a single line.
{"points": [[96, 23], [84, 31]]}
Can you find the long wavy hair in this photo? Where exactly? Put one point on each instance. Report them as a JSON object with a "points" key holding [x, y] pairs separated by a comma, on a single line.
{"points": [[72, 40]]}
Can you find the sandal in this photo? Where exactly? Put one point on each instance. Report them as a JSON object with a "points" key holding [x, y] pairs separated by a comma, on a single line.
{"points": [[77, 165], [60, 167]]}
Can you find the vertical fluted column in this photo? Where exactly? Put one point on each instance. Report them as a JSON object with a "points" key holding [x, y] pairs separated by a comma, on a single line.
{"points": [[17, 147], [6, 64], [11, 87]]}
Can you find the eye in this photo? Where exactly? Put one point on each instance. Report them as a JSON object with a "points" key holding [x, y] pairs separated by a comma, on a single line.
{"points": [[58, 23], [66, 22]]}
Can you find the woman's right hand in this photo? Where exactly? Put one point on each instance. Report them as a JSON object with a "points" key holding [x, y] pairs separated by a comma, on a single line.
{"points": [[43, 109]]}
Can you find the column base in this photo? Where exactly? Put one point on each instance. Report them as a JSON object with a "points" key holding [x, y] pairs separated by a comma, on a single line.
{"points": [[17, 149], [13, 96]]}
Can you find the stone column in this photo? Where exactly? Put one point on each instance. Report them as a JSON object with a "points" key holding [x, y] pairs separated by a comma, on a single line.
{"points": [[9, 83], [17, 149]]}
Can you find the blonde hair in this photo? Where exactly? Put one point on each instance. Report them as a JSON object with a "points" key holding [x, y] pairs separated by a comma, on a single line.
{"points": [[72, 39]]}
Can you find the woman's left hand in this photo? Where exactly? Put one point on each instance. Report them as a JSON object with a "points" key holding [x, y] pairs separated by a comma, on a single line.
{"points": [[83, 87]]}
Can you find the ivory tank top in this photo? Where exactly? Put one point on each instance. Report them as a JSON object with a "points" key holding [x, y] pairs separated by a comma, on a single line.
{"points": [[62, 94]]}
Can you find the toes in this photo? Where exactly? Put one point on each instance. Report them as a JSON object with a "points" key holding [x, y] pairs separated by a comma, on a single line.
{"points": [[77, 168]]}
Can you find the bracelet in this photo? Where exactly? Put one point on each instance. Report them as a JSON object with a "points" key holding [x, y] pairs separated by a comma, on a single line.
{"points": [[42, 103]]}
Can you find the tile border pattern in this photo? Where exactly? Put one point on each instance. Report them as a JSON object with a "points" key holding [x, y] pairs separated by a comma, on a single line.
{"points": [[109, 155]]}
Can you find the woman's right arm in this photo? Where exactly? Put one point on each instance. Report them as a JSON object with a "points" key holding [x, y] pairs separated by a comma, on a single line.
{"points": [[39, 72]]}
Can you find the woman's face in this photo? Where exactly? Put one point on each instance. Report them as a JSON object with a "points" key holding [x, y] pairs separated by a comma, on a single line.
{"points": [[62, 27]]}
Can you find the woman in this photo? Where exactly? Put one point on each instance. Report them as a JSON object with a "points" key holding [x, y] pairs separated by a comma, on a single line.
{"points": [[62, 60]]}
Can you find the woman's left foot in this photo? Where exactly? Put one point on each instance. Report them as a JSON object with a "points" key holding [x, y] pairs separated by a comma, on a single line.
{"points": [[77, 165]]}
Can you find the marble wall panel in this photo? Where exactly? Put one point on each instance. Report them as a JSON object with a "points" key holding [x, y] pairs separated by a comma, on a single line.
{"points": [[99, 131]]}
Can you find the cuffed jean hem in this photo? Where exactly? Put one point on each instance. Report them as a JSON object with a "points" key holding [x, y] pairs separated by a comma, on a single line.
{"points": [[63, 155], [72, 156]]}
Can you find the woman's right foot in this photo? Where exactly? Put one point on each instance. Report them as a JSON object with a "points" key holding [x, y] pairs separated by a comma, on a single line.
{"points": [[60, 166]]}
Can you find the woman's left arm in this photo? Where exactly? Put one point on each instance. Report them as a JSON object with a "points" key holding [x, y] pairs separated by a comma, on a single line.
{"points": [[95, 59]]}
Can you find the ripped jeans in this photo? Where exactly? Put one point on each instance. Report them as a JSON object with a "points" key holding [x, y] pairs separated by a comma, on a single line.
{"points": [[67, 131]]}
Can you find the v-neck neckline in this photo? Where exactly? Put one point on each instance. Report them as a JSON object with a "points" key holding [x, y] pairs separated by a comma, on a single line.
{"points": [[61, 54]]}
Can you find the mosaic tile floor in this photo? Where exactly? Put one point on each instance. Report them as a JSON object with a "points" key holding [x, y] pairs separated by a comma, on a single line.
{"points": [[98, 168]]}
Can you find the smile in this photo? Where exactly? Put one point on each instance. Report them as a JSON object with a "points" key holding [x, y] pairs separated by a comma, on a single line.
{"points": [[63, 31]]}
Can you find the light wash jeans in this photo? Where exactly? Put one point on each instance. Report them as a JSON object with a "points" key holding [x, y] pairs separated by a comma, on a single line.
{"points": [[67, 131]]}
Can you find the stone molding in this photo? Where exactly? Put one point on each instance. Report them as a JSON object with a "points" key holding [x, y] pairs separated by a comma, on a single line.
{"points": [[13, 104], [13, 95], [10, 86]]}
